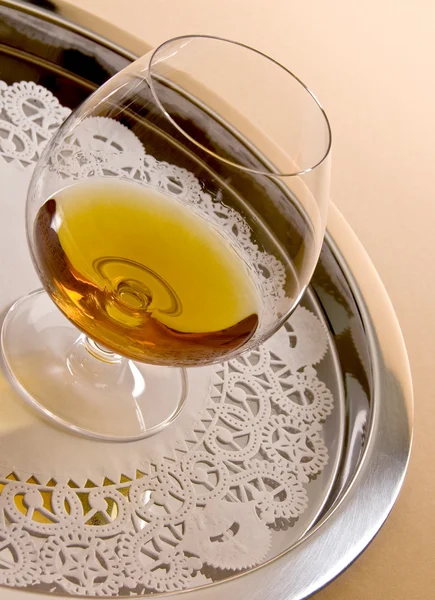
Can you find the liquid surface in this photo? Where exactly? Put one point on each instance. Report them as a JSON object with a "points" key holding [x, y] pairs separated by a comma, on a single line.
{"points": [[143, 275]]}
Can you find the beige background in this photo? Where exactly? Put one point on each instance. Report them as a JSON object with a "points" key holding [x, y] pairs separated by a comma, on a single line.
{"points": [[372, 65]]}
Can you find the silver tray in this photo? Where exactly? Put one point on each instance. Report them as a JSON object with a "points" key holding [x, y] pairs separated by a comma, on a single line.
{"points": [[370, 356]]}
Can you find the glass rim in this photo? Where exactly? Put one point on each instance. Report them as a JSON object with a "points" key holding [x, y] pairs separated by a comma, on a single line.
{"points": [[186, 37]]}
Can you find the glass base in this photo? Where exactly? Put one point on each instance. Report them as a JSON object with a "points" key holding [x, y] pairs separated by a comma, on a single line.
{"points": [[80, 386]]}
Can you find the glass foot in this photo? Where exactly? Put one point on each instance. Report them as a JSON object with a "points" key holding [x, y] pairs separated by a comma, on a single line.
{"points": [[80, 386]]}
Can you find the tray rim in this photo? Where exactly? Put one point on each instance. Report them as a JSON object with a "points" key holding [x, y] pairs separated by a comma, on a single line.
{"points": [[388, 448]]}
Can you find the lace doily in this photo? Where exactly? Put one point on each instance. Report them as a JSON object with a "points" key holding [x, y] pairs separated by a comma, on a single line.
{"points": [[207, 497]]}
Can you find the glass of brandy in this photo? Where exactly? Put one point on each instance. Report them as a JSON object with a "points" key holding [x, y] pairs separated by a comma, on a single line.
{"points": [[175, 220]]}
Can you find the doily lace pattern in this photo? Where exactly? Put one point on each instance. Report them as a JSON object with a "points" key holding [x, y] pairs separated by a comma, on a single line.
{"points": [[210, 505]]}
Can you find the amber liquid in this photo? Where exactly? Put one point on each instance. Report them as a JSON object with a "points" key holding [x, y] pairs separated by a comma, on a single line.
{"points": [[143, 275]]}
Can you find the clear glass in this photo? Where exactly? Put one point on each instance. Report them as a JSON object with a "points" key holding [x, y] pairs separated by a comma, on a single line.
{"points": [[228, 135]]}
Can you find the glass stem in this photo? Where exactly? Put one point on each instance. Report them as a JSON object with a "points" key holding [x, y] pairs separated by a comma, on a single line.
{"points": [[86, 358], [100, 352]]}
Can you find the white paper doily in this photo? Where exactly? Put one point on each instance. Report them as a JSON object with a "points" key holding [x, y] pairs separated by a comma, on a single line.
{"points": [[205, 497]]}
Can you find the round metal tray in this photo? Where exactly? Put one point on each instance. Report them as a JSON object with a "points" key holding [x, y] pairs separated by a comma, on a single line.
{"points": [[65, 57]]}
